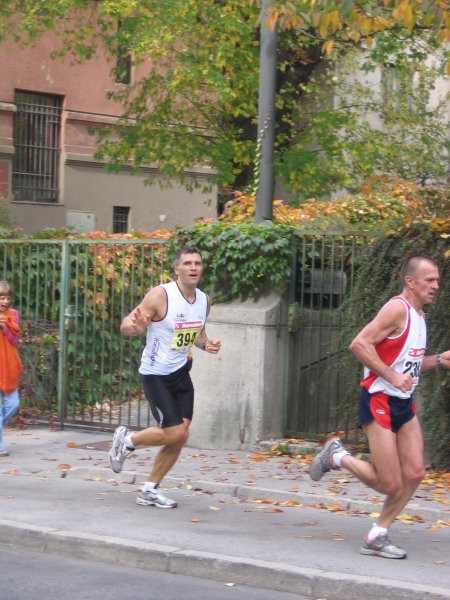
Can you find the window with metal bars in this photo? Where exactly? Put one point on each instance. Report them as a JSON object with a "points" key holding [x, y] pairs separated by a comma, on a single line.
{"points": [[120, 219], [37, 130]]}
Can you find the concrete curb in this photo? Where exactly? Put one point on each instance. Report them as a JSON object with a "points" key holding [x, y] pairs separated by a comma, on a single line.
{"points": [[314, 583]]}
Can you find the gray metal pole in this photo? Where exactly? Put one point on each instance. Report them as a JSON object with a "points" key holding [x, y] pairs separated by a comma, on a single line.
{"points": [[266, 120]]}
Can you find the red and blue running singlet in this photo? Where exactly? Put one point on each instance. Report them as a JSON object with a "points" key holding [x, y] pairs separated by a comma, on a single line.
{"points": [[404, 353]]}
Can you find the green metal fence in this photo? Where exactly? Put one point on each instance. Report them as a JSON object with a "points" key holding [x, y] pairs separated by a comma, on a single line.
{"points": [[72, 296], [323, 274]]}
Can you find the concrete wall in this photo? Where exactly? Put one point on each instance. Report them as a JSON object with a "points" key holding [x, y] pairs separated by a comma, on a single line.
{"points": [[90, 189], [239, 394], [89, 186]]}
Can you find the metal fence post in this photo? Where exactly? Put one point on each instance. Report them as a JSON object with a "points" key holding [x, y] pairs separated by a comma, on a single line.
{"points": [[63, 329]]}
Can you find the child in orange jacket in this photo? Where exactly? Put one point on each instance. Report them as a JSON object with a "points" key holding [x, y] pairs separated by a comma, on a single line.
{"points": [[10, 363]]}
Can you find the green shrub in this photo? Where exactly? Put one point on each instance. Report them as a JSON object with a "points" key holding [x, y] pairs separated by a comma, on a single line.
{"points": [[241, 260]]}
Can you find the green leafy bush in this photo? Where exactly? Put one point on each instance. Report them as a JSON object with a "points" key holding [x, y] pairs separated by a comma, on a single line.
{"points": [[241, 260]]}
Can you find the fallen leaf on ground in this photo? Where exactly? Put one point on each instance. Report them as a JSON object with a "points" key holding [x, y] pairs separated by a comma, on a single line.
{"points": [[291, 503], [334, 507], [442, 523]]}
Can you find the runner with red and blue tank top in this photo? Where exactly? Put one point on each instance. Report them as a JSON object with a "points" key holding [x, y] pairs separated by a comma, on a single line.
{"points": [[403, 353], [392, 349]]}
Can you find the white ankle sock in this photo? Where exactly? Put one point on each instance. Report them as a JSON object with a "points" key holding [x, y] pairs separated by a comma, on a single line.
{"points": [[149, 485], [128, 443], [337, 456], [375, 532]]}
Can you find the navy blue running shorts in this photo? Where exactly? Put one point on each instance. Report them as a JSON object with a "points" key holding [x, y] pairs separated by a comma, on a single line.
{"points": [[389, 411]]}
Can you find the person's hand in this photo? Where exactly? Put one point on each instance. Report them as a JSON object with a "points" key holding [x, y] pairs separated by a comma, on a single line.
{"points": [[402, 381], [212, 346], [445, 359], [139, 319]]}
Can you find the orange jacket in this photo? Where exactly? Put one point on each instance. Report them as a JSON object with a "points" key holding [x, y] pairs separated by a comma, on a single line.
{"points": [[10, 363]]}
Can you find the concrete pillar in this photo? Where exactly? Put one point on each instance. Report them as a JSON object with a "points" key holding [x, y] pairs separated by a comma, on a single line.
{"points": [[239, 393]]}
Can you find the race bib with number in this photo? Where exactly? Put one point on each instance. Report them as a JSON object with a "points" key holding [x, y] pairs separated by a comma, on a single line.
{"points": [[185, 334], [413, 367]]}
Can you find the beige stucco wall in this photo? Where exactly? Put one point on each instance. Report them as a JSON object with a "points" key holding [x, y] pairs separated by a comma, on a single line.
{"points": [[88, 185], [89, 188]]}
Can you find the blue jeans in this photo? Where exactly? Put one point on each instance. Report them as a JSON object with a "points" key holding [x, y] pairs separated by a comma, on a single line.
{"points": [[9, 403]]}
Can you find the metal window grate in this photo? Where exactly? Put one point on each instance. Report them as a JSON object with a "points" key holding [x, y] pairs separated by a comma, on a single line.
{"points": [[37, 128], [120, 219]]}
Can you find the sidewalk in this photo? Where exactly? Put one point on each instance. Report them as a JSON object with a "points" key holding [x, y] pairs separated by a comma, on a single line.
{"points": [[242, 518]]}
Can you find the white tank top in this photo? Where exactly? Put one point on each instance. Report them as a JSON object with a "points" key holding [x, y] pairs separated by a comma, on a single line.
{"points": [[403, 353], [170, 340]]}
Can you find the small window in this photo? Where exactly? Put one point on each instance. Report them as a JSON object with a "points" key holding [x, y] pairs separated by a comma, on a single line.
{"points": [[396, 87], [120, 219], [123, 67], [37, 147], [123, 62]]}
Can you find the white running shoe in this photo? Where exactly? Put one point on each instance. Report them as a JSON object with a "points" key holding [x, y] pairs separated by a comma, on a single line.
{"points": [[323, 461], [382, 546], [119, 452], [155, 498]]}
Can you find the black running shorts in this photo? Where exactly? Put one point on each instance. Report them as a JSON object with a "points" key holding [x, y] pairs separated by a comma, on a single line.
{"points": [[171, 397]]}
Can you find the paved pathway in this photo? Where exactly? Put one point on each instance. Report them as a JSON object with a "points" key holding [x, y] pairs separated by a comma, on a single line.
{"points": [[247, 518]]}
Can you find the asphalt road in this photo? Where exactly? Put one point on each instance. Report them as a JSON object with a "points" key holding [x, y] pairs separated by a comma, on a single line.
{"points": [[29, 575]]}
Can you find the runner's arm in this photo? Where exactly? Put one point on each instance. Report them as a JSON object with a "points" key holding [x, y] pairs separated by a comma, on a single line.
{"points": [[390, 321], [431, 362], [203, 342], [152, 307]]}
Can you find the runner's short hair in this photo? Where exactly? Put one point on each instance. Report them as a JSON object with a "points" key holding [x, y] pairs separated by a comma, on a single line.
{"points": [[185, 250], [411, 265]]}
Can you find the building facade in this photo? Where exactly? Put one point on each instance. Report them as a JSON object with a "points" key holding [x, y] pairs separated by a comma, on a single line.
{"points": [[48, 173]]}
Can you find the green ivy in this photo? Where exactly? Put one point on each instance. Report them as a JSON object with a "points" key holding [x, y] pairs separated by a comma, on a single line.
{"points": [[240, 260]]}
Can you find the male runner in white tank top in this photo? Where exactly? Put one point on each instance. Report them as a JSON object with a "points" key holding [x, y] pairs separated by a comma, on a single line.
{"points": [[392, 349], [174, 316]]}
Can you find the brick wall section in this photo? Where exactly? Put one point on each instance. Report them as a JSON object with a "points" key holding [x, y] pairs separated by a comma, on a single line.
{"points": [[4, 178]]}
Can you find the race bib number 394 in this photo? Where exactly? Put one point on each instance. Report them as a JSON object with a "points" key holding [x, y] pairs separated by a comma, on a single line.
{"points": [[185, 334]]}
